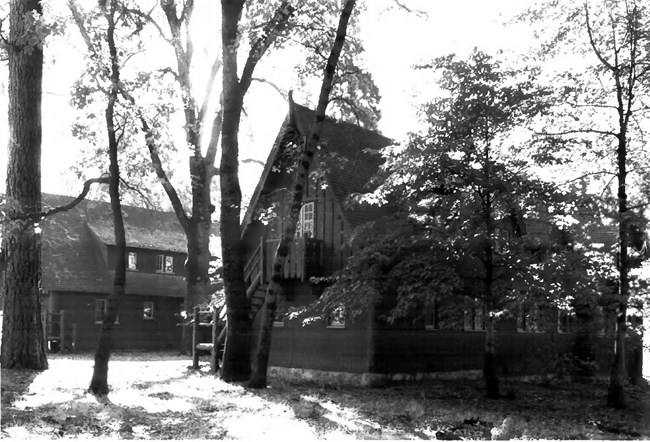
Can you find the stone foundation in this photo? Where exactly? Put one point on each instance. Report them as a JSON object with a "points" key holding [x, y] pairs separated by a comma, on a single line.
{"points": [[365, 379]]}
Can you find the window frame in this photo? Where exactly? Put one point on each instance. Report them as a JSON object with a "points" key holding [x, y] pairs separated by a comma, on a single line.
{"points": [[306, 218], [474, 315], [133, 255], [162, 262], [336, 318], [104, 311], [151, 309], [431, 313]]}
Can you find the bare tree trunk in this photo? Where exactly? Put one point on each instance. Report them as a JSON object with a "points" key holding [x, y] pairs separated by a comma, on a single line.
{"points": [[99, 381], [261, 360], [23, 343]]}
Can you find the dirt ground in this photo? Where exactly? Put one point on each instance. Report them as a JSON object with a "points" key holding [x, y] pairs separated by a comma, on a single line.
{"points": [[156, 396]]}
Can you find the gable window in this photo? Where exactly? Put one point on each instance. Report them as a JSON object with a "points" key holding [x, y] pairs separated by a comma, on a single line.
{"points": [[132, 262], [147, 310], [336, 319], [431, 319], [305, 226], [164, 264]]}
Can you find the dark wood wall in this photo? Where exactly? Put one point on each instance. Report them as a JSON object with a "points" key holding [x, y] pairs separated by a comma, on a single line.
{"points": [[317, 346], [132, 332]]}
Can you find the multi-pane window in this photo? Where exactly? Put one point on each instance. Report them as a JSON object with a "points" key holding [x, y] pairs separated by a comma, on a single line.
{"points": [[147, 310], [474, 314], [101, 306], [336, 318], [165, 264], [305, 226], [528, 318], [101, 309], [132, 261]]}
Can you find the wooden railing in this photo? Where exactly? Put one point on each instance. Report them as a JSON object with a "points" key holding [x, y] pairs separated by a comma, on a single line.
{"points": [[254, 269], [304, 260]]}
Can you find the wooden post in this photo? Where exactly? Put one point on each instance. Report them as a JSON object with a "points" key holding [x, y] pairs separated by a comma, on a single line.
{"points": [[62, 331], [195, 337], [74, 337], [214, 358]]}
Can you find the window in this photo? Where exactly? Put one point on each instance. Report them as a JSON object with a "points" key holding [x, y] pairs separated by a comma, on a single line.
{"points": [[474, 314], [336, 318], [101, 309], [101, 306], [164, 264], [305, 226], [565, 322], [147, 310], [431, 319], [132, 261], [528, 318]]}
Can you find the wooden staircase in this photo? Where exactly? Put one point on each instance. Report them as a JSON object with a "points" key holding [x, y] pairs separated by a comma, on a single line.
{"points": [[255, 278]]}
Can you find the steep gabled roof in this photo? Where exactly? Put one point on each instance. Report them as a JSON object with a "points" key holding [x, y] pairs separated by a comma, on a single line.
{"points": [[347, 154], [72, 243]]}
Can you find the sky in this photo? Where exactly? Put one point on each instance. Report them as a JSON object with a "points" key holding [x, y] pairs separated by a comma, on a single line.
{"points": [[394, 41]]}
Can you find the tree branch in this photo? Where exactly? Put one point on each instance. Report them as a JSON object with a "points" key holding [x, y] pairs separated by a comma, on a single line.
{"points": [[270, 33], [34, 216], [156, 162]]}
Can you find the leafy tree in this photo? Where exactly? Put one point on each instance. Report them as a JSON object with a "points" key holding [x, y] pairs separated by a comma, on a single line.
{"points": [[463, 182], [23, 344], [260, 365], [604, 105]]}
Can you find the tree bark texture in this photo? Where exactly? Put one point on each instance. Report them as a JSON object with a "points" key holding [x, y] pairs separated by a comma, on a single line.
{"points": [[23, 344], [616, 392], [99, 381], [263, 350], [236, 360], [490, 375], [237, 354]]}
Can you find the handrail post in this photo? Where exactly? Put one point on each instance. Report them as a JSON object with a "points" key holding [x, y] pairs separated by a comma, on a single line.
{"points": [[214, 364]]}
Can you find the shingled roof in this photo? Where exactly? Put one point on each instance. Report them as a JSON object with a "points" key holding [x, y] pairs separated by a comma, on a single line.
{"points": [[72, 242], [346, 152]]}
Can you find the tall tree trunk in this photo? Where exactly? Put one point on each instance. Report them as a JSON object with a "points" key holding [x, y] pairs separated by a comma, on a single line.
{"points": [[616, 392], [99, 381], [23, 343], [489, 359], [261, 359], [236, 363], [237, 354]]}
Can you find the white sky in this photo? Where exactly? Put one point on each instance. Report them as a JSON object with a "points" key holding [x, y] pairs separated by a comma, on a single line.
{"points": [[394, 42]]}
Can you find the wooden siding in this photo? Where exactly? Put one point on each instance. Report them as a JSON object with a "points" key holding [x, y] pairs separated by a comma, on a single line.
{"points": [[132, 332], [413, 351], [317, 346]]}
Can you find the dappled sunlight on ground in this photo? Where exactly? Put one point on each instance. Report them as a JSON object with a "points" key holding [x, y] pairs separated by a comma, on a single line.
{"points": [[157, 396]]}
